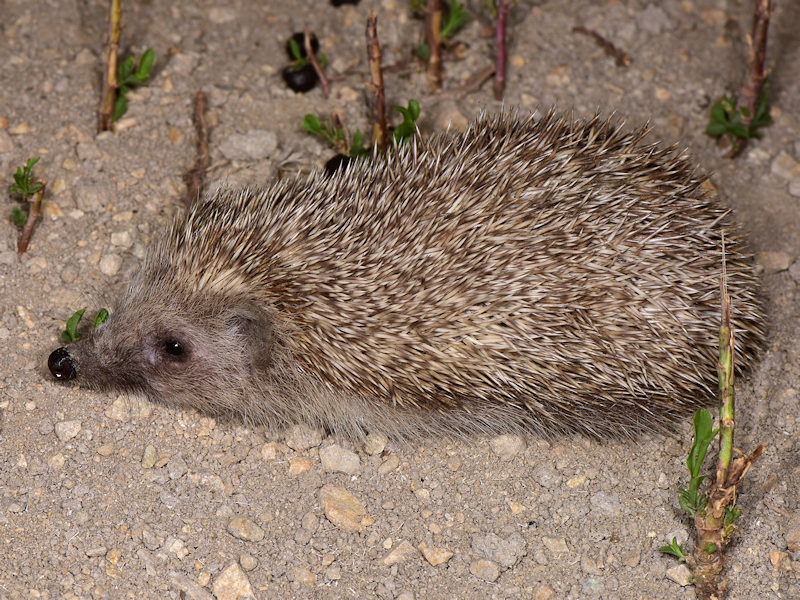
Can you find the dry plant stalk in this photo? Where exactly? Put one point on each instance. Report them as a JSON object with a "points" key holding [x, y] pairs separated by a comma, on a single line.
{"points": [[194, 178], [500, 41], [33, 216], [748, 94], [323, 80], [433, 37], [380, 128], [712, 533], [110, 82]]}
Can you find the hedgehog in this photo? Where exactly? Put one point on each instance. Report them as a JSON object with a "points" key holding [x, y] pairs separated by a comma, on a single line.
{"points": [[542, 274]]}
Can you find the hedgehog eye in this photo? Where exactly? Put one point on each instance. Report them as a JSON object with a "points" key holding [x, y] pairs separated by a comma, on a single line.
{"points": [[174, 348]]}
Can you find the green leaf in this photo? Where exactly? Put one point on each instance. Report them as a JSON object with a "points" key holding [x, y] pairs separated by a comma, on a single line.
{"points": [[18, 216], [100, 318], [703, 435], [125, 68], [423, 51], [716, 129], [710, 548], [70, 334], [456, 17], [120, 107], [23, 180], [718, 114], [739, 130], [357, 148], [294, 49], [675, 549], [312, 124], [145, 64], [731, 514]]}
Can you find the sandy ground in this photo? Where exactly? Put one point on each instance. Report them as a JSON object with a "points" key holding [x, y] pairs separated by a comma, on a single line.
{"points": [[104, 497]]}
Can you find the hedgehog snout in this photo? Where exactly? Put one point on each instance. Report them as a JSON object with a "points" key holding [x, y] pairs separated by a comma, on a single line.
{"points": [[61, 364]]}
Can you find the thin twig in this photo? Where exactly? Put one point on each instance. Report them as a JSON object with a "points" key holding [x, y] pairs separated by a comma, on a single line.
{"points": [[621, 58], [500, 42], [748, 94], [33, 216], [110, 82], [380, 129], [323, 80], [433, 36], [195, 177]]}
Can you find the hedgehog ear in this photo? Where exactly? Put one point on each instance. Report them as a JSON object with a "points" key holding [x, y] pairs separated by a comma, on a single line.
{"points": [[257, 332]]}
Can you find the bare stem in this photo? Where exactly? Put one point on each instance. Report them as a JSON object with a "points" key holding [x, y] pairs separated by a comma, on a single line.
{"points": [[748, 94], [195, 177], [500, 42], [380, 129], [323, 80], [712, 532], [110, 82], [433, 36], [33, 216]]}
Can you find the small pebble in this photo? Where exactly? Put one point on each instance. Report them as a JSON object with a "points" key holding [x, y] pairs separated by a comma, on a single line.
{"points": [[341, 507], [245, 529], [232, 584], [401, 553], [248, 561], [785, 166], [66, 430], [302, 437], [110, 264], [485, 570], [507, 446], [149, 456], [435, 556], [680, 574], [375, 443], [301, 575], [335, 459], [555, 545], [774, 262]]}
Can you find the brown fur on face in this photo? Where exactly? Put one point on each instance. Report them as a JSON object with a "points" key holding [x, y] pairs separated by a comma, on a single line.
{"points": [[543, 274]]}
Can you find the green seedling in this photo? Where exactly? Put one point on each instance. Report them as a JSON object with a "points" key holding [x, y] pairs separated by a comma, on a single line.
{"points": [[131, 74], [408, 127], [70, 334], [336, 136], [300, 61], [732, 121], [24, 185], [453, 19], [691, 500], [675, 549]]}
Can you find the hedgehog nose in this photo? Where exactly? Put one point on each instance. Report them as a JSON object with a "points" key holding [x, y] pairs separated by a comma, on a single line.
{"points": [[61, 364]]}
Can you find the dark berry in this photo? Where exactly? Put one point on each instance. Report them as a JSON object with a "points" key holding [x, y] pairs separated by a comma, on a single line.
{"points": [[300, 80], [339, 162], [340, 2], [300, 40]]}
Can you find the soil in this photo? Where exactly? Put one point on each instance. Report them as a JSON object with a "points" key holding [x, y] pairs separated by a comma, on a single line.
{"points": [[113, 497]]}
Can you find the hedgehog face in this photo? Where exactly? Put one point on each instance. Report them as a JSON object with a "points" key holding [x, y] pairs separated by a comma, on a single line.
{"points": [[205, 355]]}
